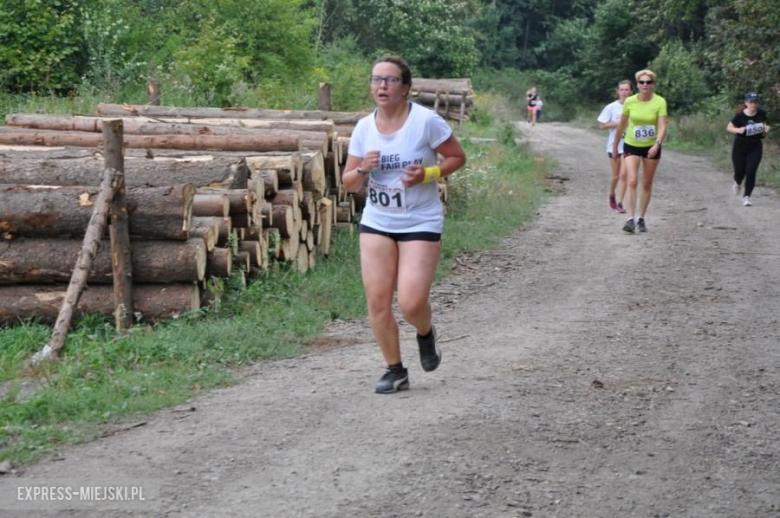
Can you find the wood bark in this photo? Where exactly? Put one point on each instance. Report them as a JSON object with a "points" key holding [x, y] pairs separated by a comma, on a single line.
{"points": [[325, 98], [228, 173], [156, 212], [258, 143], [283, 220], [120, 228], [290, 198], [219, 263], [314, 173], [270, 181], [453, 86], [232, 113], [153, 301], [310, 139], [428, 98], [153, 89], [205, 205], [51, 261], [83, 260], [207, 229], [284, 165]]}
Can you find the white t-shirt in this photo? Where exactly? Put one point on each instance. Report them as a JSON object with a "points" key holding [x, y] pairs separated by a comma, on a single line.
{"points": [[612, 113], [391, 207]]}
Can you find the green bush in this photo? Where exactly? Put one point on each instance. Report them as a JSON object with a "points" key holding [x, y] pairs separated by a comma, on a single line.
{"points": [[41, 47], [681, 80]]}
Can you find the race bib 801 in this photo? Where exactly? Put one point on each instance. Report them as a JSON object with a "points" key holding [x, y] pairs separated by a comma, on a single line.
{"points": [[387, 198]]}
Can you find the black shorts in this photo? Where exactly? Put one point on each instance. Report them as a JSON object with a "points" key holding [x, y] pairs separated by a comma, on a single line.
{"points": [[433, 237], [629, 150]]}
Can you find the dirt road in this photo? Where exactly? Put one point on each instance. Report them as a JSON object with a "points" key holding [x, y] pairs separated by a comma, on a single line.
{"points": [[586, 373]]}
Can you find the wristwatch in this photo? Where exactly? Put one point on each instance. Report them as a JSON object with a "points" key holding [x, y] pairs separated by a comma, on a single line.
{"points": [[659, 144], [360, 171]]}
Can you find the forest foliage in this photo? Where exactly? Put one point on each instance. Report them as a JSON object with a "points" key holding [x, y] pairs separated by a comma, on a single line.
{"points": [[707, 53]]}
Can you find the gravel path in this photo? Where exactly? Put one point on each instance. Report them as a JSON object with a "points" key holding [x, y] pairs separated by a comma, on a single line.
{"points": [[586, 373]]}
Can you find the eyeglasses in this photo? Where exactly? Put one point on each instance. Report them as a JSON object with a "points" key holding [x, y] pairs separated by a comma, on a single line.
{"points": [[645, 82], [391, 80]]}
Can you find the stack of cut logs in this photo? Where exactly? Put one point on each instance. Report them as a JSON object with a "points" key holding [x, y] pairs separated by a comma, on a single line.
{"points": [[451, 98], [207, 189]]}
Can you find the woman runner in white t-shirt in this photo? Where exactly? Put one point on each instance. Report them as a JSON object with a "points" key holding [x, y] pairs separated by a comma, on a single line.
{"points": [[609, 118], [393, 154]]}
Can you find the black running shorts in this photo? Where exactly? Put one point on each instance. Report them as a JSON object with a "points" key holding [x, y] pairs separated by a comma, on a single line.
{"points": [[403, 236], [629, 150]]}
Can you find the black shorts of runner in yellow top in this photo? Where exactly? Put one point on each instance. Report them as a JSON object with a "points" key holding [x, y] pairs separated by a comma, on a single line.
{"points": [[403, 236], [629, 150]]}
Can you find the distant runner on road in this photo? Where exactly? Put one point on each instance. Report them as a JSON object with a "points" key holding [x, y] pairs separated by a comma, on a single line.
{"points": [[749, 127], [644, 120], [609, 118]]}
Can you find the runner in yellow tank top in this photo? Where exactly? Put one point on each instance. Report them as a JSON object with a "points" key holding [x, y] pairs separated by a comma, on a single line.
{"points": [[644, 118]]}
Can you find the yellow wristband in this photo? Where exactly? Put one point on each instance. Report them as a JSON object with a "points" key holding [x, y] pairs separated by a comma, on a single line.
{"points": [[432, 174]]}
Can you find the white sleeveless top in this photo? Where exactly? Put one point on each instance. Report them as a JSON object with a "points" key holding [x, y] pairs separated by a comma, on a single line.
{"points": [[390, 207]]}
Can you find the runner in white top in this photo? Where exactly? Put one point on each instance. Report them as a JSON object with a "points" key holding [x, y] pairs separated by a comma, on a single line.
{"points": [[609, 118], [392, 154]]}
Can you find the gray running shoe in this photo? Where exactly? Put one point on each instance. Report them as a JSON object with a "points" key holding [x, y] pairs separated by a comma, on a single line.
{"points": [[393, 380], [640, 224], [746, 202], [430, 355], [629, 226], [735, 188]]}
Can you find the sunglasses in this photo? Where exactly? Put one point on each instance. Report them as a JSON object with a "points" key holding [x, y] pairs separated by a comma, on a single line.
{"points": [[645, 82], [391, 80]]}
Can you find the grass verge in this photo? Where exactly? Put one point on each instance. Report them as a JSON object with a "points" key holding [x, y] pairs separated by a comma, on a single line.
{"points": [[105, 379]]}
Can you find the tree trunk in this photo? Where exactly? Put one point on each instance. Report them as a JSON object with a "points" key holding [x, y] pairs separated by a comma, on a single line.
{"points": [[452, 86], [314, 173], [47, 261], [205, 205], [284, 221], [153, 301], [428, 98], [310, 139], [156, 212], [206, 229], [232, 113], [90, 123], [285, 167], [219, 263], [325, 100], [229, 173], [258, 143]]}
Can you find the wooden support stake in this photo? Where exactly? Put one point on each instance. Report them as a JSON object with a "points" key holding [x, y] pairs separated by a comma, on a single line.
{"points": [[153, 88], [325, 98], [113, 149], [95, 230]]}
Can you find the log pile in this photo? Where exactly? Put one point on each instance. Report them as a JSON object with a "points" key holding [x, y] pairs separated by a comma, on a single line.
{"points": [[209, 192], [451, 98], [232, 194]]}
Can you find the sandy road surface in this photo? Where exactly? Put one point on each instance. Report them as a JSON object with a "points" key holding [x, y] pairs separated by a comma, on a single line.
{"points": [[586, 373]]}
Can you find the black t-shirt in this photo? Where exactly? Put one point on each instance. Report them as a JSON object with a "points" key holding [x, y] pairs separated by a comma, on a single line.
{"points": [[532, 99], [754, 128]]}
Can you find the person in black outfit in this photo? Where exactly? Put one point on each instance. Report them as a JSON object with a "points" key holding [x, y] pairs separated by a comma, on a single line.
{"points": [[749, 127]]}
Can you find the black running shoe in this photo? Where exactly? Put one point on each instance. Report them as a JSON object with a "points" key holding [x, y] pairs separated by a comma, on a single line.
{"points": [[640, 224], [430, 355], [629, 226], [393, 380]]}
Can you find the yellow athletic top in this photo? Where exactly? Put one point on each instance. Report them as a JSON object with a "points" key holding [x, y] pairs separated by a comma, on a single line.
{"points": [[643, 119]]}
